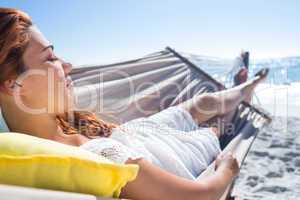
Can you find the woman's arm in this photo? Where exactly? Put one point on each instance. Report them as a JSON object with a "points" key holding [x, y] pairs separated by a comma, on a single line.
{"points": [[152, 183], [74, 139]]}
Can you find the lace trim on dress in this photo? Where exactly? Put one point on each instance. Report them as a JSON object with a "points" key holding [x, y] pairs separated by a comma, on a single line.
{"points": [[111, 149]]}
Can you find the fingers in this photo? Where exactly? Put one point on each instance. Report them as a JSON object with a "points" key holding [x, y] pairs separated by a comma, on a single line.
{"points": [[227, 160], [229, 155], [223, 155]]}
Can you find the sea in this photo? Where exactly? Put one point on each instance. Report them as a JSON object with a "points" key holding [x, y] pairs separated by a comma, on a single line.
{"points": [[272, 167]]}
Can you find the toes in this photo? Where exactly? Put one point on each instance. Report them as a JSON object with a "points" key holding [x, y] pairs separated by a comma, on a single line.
{"points": [[262, 73]]}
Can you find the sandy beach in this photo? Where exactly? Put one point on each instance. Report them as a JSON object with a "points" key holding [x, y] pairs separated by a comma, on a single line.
{"points": [[272, 168]]}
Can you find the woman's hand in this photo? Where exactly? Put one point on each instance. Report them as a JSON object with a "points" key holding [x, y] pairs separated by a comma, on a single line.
{"points": [[226, 162]]}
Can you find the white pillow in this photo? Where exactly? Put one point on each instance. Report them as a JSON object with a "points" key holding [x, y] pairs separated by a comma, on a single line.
{"points": [[3, 125]]}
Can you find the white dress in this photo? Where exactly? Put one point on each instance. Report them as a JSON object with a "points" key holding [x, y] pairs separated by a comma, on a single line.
{"points": [[169, 139]]}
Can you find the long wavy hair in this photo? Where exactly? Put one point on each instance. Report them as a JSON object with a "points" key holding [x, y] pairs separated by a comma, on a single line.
{"points": [[14, 38]]}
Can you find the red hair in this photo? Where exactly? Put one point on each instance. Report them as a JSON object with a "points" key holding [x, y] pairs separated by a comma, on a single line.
{"points": [[14, 38], [85, 123]]}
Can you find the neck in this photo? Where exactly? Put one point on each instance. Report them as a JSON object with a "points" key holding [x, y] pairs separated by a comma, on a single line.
{"points": [[39, 125], [25, 122]]}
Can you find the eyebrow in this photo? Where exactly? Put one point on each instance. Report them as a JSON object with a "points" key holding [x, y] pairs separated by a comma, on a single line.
{"points": [[47, 47]]}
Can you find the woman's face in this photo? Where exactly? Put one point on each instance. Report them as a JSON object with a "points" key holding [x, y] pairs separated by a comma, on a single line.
{"points": [[45, 85]]}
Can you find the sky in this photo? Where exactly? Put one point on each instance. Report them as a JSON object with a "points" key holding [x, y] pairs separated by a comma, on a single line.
{"points": [[106, 31]]}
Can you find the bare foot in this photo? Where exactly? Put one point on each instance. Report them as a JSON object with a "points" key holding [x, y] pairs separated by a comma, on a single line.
{"points": [[232, 98], [249, 86]]}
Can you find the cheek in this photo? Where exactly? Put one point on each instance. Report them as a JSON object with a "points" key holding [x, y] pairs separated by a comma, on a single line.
{"points": [[40, 82], [36, 84]]}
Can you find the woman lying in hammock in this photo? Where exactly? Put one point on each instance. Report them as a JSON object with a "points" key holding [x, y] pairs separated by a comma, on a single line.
{"points": [[169, 147]]}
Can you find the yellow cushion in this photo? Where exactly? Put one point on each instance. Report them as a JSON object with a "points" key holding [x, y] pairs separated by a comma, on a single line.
{"points": [[17, 144], [35, 162]]}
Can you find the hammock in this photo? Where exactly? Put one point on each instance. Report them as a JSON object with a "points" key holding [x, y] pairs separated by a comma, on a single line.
{"points": [[138, 88], [144, 86]]}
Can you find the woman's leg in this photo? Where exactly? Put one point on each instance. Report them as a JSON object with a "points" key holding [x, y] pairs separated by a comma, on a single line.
{"points": [[208, 105]]}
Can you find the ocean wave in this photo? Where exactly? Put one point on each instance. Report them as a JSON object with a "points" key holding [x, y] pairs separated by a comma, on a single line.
{"points": [[282, 70], [279, 100]]}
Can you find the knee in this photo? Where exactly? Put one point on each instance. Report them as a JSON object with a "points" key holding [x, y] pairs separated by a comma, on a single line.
{"points": [[209, 102], [202, 107], [204, 104]]}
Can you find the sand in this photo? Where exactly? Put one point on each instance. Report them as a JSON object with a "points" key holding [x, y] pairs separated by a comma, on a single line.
{"points": [[272, 168]]}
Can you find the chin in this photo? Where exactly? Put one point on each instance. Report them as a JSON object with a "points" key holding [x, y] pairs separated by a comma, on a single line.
{"points": [[67, 105], [69, 100]]}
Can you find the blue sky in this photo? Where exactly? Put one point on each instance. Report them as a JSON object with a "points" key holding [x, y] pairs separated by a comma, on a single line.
{"points": [[103, 31]]}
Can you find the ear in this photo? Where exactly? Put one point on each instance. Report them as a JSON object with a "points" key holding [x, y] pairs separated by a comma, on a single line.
{"points": [[9, 86]]}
